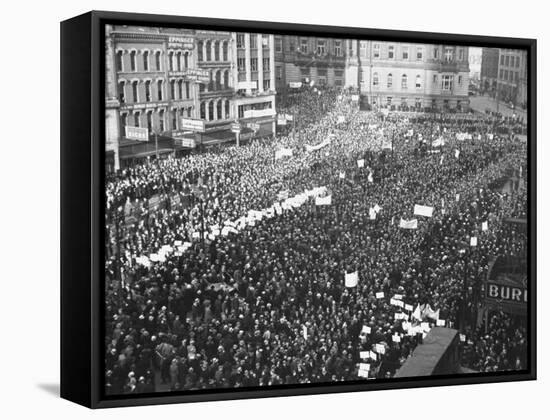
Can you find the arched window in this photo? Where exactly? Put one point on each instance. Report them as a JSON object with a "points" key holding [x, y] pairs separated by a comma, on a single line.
{"points": [[199, 51], [161, 120], [148, 91], [218, 80], [211, 82], [210, 111], [208, 51], [189, 111], [123, 122], [121, 96], [133, 66], [375, 80], [149, 121], [203, 111], [172, 89], [187, 90], [227, 109], [219, 111], [186, 60], [217, 51], [119, 61], [404, 81], [418, 81], [226, 79], [159, 90], [390, 80], [171, 61], [179, 61], [174, 119], [135, 91], [146, 61], [225, 51], [157, 60], [180, 89], [136, 119]]}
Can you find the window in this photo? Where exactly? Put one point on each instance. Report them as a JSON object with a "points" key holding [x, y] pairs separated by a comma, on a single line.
{"points": [[303, 45], [187, 90], [501, 60], [419, 53], [157, 60], [418, 102], [447, 82], [161, 120], [376, 51], [133, 66], [418, 83], [186, 60], [173, 89], [390, 80], [375, 80], [516, 74], [216, 51], [391, 50], [124, 121], [210, 111], [507, 61], [448, 54], [121, 91], [135, 91], [180, 89], [218, 80], [265, 41], [241, 64], [278, 45], [159, 90], [174, 119], [253, 41], [338, 48], [266, 64], [254, 64], [361, 75], [208, 51], [240, 40], [279, 72], [321, 47], [226, 79], [227, 109], [404, 81], [146, 61], [178, 60], [119, 61], [459, 80], [148, 91], [219, 111], [436, 53], [338, 73], [203, 111], [267, 84], [171, 61], [505, 74], [149, 118], [435, 79], [460, 54], [200, 51], [405, 53], [501, 74], [363, 48], [225, 51], [136, 119]]}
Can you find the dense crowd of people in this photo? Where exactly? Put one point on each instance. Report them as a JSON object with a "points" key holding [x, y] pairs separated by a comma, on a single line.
{"points": [[191, 305]]}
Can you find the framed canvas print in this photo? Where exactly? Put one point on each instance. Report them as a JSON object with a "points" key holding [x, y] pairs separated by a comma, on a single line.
{"points": [[255, 209]]}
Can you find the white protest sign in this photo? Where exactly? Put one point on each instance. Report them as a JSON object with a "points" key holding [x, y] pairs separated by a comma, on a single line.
{"points": [[440, 322], [323, 201], [484, 226], [408, 224], [361, 163], [365, 329], [473, 241], [379, 295], [420, 210], [351, 279]]}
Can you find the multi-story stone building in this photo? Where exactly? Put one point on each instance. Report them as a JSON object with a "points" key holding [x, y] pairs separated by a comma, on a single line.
{"points": [[254, 83], [306, 59], [409, 75], [512, 76], [489, 70]]}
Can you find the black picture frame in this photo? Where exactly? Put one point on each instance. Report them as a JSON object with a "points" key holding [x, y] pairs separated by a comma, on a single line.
{"points": [[82, 204]]}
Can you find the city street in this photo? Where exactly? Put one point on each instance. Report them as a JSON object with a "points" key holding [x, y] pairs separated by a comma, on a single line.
{"points": [[481, 103]]}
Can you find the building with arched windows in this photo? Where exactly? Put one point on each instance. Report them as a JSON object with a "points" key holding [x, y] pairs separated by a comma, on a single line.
{"points": [[405, 76]]}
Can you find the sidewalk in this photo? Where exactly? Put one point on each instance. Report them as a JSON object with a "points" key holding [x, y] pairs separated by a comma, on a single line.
{"points": [[481, 103]]}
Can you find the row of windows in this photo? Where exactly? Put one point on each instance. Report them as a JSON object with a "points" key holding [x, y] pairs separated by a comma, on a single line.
{"points": [[215, 110], [218, 80], [160, 126], [242, 77], [178, 90], [145, 60], [253, 41], [446, 81], [212, 50], [241, 64], [509, 75], [510, 61]]}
